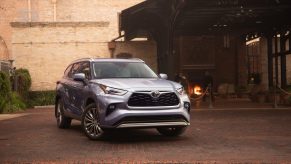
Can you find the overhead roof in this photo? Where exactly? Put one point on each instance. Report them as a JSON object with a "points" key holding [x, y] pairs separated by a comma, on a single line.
{"points": [[194, 17]]}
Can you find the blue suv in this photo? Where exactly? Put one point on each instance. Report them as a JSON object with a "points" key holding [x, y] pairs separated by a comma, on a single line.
{"points": [[120, 93]]}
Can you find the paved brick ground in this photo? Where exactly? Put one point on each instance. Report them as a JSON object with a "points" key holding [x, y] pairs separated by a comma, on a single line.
{"points": [[234, 135]]}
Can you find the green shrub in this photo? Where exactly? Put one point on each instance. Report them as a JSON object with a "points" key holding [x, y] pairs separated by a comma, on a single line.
{"points": [[23, 83], [5, 91], [16, 103], [40, 98], [9, 101]]}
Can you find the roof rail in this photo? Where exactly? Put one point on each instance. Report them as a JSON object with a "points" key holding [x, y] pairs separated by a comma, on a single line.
{"points": [[83, 59], [137, 59]]}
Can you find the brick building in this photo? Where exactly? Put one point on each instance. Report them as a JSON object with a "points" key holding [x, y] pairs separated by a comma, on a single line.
{"points": [[44, 36]]}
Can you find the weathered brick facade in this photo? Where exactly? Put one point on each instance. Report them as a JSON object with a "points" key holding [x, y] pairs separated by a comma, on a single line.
{"points": [[46, 35], [10, 10]]}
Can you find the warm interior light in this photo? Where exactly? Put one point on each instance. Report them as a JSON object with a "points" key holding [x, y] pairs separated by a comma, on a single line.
{"points": [[253, 41], [139, 39], [197, 90]]}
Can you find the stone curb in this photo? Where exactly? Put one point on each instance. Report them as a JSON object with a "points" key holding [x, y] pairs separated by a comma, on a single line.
{"points": [[43, 107]]}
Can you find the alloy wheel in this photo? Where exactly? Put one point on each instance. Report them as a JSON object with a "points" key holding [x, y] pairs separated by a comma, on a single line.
{"points": [[59, 114], [91, 123]]}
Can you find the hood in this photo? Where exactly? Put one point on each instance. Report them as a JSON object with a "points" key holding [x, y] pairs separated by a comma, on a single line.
{"points": [[139, 84]]}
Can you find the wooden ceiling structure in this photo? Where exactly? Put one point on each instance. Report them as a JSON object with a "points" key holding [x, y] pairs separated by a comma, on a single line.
{"points": [[196, 17], [162, 20]]}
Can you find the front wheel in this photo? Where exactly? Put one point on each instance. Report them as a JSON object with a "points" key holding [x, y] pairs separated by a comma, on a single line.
{"points": [[171, 131], [63, 122], [91, 123]]}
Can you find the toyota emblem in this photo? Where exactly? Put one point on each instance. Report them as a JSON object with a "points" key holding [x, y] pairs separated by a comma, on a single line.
{"points": [[155, 94]]}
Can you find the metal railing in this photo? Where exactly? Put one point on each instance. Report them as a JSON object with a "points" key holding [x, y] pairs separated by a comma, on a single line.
{"points": [[4, 66]]}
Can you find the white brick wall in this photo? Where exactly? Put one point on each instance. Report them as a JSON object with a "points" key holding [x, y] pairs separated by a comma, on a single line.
{"points": [[84, 28], [46, 51]]}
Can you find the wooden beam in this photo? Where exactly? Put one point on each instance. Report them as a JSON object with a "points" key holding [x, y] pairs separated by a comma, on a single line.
{"points": [[283, 60], [270, 60], [276, 61]]}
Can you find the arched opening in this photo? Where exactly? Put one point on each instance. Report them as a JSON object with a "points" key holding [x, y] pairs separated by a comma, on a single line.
{"points": [[4, 55]]}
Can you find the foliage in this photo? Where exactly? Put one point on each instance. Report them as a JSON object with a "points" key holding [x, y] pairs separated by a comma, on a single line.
{"points": [[16, 104], [9, 101], [22, 98], [5, 89], [23, 82], [40, 98]]}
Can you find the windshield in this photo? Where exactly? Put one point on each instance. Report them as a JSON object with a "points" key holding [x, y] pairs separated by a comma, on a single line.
{"points": [[103, 70]]}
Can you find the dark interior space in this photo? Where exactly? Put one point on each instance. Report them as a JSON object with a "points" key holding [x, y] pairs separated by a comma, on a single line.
{"points": [[195, 36]]}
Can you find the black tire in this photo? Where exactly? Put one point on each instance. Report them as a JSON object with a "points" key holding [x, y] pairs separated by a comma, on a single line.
{"points": [[172, 131], [63, 122], [91, 122]]}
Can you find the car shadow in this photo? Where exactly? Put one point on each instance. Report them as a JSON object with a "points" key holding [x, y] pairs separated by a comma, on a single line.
{"points": [[137, 135], [132, 135]]}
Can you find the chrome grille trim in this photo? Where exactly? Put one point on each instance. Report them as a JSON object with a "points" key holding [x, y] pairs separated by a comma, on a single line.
{"points": [[145, 99]]}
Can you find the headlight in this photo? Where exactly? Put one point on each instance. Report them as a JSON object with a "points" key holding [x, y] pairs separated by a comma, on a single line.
{"points": [[180, 91], [112, 91]]}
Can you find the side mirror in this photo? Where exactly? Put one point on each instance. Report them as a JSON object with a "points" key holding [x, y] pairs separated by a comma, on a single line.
{"points": [[163, 76], [79, 77]]}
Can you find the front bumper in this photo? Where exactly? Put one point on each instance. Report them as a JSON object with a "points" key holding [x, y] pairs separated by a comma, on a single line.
{"points": [[124, 116], [153, 124]]}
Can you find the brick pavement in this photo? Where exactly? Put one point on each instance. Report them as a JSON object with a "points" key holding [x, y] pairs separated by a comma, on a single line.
{"points": [[215, 136]]}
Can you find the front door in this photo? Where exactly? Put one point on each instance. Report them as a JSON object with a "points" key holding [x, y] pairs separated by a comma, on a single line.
{"points": [[78, 88]]}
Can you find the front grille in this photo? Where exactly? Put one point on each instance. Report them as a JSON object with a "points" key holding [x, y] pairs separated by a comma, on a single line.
{"points": [[146, 100]]}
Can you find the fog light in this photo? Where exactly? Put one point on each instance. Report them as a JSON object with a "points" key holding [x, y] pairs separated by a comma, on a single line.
{"points": [[187, 106], [110, 109]]}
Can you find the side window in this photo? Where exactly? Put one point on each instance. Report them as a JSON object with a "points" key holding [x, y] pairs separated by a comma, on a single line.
{"points": [[85, 68], [82, 67], [75, 70], [67, 71]]}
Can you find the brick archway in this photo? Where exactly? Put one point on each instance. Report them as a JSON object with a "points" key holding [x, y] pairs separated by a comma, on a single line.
{"points": [[4, 55]]}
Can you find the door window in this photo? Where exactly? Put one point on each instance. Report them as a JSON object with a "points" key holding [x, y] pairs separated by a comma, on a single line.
{"points": [[68, 70], [81, 67], [75, 70], [85, 68]]}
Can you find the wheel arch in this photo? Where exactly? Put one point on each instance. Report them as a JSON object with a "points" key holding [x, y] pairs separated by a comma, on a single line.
{"points": [[57, 98], [90, 100]]}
